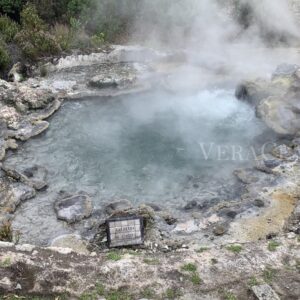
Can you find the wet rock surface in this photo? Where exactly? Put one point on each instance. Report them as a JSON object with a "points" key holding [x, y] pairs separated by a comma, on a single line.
{"points": [[276, 101], [73, 208]]}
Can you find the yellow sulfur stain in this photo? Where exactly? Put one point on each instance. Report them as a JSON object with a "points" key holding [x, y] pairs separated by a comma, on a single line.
{"points": [[272, 220]]}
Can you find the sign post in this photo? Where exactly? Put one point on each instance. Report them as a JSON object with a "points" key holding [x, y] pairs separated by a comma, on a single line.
{"points": [[125, 231]]}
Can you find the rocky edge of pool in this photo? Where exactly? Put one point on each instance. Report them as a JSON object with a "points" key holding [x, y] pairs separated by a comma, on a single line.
{"points": [[227, 249]]}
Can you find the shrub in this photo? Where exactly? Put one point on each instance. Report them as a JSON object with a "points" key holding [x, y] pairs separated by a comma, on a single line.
{"points": [[63, 35], [189, 267], [234, 248], [4, 62], [30, 19], [8, 28], [33, 39], [6, 232], [273, 245], [115, 256], [11, 8], [37, 44], [97, 40]]}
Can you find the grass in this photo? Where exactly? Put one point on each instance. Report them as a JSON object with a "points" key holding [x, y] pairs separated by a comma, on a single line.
{"points": [[189, 267], [151, 261], [172, 294], [253, 281], [269, 274], [202, 249], [149, 293], [5, 263], [195, 279], [273, 245], [229, 296], [113, 255], [235, 248], [6, 232], [118, 295]]}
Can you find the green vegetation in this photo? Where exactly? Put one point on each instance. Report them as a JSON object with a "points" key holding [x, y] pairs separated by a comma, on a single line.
{"points": [[151, 261], [4, 62], [253, 281], [273, 245], [202, 249], [113, 255], [229, 296], [149, 293], [172, 293], [5, 263], [194, 276], [234, 248], [6, 232], [189, 267], [195, 279], [8, 28], [269, 274], [108, 294]]}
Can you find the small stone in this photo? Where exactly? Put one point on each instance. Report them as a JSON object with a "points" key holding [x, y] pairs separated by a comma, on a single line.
{"points": [[187, 227], [6, 284], [117, 206], [259, 203], [73, 209], [18, 286], [291, 235], [231, 214], [219, 230], [264, 292], [72, 241], [190, 205], [25, 247]]}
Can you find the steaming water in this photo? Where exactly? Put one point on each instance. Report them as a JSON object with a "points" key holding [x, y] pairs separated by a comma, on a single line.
{"points": [[154, 147]]}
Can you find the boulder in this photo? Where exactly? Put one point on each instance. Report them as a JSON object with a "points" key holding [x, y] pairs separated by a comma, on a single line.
{"points": [[116, 206], [280, 115], [74, 208], [12, 194], [264, 292], [72, 241], [17, 72], [187, 227]]}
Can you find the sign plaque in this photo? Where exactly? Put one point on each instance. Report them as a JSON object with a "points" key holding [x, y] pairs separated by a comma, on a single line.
{"points": [[125, 231]]}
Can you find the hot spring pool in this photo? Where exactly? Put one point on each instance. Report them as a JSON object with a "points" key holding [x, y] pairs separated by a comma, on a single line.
{"points": [[148, 148]]}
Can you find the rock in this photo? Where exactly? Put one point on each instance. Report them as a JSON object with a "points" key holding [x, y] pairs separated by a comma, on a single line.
{"points": [[186, 227], [104, 81], [28, 130], [12, 194], [16, 74], [190, 205], [25, 247], [154, 206], [117, 206], [72, 241], [73, 209], [231, 214], [285, 70], [246, 176], [34, 177], [282, 152], [264, 292], [2, 149], [37, 177], [259, 203], [220, 230], [6, 284], [280, 115]]}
